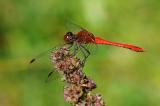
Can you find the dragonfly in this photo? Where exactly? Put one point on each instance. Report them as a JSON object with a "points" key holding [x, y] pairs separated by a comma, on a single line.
{"points": [[78, 37], [84, 37]]}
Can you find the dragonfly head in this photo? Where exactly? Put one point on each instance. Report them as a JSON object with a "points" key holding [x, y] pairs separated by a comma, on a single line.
{"points": [[69, 37]]}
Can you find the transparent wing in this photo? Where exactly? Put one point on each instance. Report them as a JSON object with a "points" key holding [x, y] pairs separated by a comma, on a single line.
{"points": [[72, 27], [44, 53], [40, 55], [93, 48]]}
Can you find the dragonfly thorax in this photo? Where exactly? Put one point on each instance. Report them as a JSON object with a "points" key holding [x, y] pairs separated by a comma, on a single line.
{"points": [[69, 37]]}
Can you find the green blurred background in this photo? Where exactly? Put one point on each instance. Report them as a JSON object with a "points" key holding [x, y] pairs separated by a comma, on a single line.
{"points": [[123, 77]]}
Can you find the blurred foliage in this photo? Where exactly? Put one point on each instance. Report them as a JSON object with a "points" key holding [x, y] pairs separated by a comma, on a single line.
{"points": [[124, 78]]}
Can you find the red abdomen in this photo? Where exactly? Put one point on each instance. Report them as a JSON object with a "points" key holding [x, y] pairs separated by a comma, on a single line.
{"points": [[131, 47]]}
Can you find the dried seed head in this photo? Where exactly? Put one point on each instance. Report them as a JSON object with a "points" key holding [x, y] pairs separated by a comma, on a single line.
{"points": [[92, 100], [72, 93], [88, 84], [97, 100], [64, 61], [76, 77], [77, 90]]}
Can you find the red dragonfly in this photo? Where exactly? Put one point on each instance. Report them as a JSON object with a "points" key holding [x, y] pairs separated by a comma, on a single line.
{"points": [[85, 37], [80, 36]]}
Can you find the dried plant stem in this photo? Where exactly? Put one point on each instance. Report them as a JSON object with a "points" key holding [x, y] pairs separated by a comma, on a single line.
{"points": [[78, 86]]}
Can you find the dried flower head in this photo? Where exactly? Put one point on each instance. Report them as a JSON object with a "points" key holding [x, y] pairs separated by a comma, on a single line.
{"points": [[72, 93], [78, 85]]}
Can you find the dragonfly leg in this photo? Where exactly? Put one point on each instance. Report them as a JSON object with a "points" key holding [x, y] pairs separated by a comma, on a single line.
{"points": [[69, 45], [75, 49], [86, 53]]}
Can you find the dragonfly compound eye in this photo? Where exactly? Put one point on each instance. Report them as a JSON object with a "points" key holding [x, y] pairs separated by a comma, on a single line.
{"points": [[69, 37]]}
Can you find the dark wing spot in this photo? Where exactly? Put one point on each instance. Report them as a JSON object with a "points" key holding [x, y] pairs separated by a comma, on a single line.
{"points": [[50, 74], [32, 61]]}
